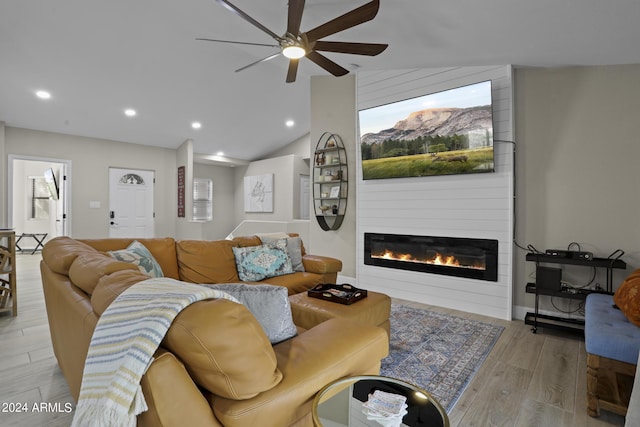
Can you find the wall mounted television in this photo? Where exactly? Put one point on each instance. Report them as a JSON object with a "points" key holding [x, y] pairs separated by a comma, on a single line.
{"points": [[442, 133]]}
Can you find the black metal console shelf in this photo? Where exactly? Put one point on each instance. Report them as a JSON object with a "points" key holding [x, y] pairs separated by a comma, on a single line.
{"points": [[536, 319]]}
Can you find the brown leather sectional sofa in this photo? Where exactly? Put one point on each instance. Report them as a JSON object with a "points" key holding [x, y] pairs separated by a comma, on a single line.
{"points": [[222, 371]]}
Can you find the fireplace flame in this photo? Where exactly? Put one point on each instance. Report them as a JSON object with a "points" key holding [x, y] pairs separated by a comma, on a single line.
{"points": [[439, 259]]}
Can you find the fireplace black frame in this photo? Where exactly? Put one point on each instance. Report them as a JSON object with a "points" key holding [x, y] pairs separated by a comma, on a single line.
{"points": [[489, 246]]}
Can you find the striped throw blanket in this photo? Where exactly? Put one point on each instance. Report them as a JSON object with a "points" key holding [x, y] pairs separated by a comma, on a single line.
{"points": [[127, 335]]}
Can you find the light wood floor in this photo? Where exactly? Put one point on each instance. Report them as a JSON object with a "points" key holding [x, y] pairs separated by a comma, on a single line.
{"points": [[527, 380]]}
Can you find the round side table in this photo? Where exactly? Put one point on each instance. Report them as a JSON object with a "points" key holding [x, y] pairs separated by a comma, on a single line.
{"points": [[342, 404]]}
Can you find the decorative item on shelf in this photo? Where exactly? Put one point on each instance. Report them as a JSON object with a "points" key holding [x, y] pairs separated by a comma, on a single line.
{"points": [[331, 143], [335, 192], [324, 208], [334, 209], [324, 195], [336, 176]]}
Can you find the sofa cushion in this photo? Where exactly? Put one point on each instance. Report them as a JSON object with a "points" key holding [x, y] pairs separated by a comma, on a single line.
{"points": [[294, 249], [163, 250], [202, 261], [224, 349], [269, 305], [255, 263], [627, 297], [60, 252], [138, 254], [112, 285], [87, 269]]}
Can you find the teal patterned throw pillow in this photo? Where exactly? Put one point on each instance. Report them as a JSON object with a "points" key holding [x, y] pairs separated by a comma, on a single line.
{"points": [[255, 263], [138, 254]]}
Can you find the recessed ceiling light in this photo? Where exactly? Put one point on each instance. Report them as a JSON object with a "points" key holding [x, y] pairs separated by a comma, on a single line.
{"points": [[289, 123], [43, 94], [130, 112], [219, 153], [196, 125]]}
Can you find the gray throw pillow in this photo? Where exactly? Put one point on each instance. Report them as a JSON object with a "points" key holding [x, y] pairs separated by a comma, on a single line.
{"points": [[294, 249], [269, 304]]}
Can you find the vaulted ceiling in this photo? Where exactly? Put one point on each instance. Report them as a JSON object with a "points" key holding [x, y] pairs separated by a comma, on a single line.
{"points": [[98, 58]]}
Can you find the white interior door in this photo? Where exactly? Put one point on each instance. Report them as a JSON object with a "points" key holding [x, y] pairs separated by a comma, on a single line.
{"points": [[131, 203]]}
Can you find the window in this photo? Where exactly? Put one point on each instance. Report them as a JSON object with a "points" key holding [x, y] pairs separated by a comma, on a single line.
{"points": [[39, 198], [202, 199]]}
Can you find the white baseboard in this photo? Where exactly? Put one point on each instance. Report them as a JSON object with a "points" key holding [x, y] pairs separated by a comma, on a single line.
{"points": [[518, 312]]}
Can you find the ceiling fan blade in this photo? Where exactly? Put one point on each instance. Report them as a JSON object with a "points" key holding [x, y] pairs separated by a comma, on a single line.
{"points": [[370, 49], [357, 16], [292, 71], [247, 18], [259, 61], [234, 42], [327, 64], [296, 7]]}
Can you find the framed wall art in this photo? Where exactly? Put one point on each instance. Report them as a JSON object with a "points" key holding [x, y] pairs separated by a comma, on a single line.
{"points": [[258, 193]]}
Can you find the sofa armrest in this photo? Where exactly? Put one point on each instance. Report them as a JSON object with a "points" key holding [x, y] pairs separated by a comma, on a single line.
{"points": [[321, 264], [167, 379], [335, 349]]}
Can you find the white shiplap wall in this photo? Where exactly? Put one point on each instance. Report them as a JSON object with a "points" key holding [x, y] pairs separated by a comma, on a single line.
{"points": [[474, 206]]}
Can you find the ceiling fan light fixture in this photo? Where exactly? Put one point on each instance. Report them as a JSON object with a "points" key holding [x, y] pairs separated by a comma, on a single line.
{"points": [[294, 52]]}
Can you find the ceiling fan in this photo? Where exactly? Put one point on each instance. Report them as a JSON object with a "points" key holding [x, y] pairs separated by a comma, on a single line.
{"points": [[295, 44]]}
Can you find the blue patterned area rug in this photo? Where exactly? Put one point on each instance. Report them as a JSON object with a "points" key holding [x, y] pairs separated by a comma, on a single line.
{"points": [[437, 352]]}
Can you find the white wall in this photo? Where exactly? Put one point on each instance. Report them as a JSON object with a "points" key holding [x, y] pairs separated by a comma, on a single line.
{"points": [[186, 228], [473, 206], [577, 163], [91, 160], [286, 189], [92, 157], [299, 147], [333, 109]]}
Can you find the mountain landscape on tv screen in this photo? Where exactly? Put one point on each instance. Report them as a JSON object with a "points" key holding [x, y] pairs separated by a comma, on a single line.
{"points": [[433, 141], [436, 122]]}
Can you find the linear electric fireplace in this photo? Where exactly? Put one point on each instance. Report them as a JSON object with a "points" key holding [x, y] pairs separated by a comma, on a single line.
{"points": [[451, 256]]}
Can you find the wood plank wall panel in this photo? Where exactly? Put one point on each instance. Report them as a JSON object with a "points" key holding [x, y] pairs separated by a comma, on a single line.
{"points": [[474, 206]]}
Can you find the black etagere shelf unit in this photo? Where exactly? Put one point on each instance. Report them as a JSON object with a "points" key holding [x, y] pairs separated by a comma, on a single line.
{"points": [[330, 181], [536, 319]]}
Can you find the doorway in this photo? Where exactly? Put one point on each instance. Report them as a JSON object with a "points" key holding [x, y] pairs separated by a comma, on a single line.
{"points": [[39, 197], [131, 203]]}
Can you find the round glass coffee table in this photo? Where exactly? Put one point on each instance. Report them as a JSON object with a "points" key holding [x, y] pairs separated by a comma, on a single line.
{"points": [[375, 401]]}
